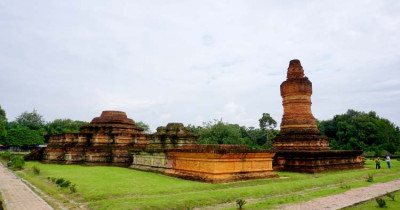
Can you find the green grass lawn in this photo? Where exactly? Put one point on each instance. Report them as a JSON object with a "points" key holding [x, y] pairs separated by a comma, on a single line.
{"points": [[121, 188], [370, 205]]}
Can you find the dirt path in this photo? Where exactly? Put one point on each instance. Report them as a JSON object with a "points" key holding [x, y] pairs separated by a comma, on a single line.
{"points": [[17, 195], [346, 199]]}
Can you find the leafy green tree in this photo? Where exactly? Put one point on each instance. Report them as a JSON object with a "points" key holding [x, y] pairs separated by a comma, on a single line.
{"points": [[23, 136], [268, 124], [360, 130], [2, 114], [143, 125], [218, 132], [3, 123], [32, 120], [60, 126]]}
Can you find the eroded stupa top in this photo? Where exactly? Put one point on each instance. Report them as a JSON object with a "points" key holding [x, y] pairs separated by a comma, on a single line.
{"points": [[111, 117], [295, 70], [111, 122]]}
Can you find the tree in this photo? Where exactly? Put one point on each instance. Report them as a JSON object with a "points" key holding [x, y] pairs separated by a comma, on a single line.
{"points": [[23, 136], [2, 114], [360, 130], [267, 123], [32, 120], [143, 125], [60, 126], [218, 132], [3, 123]]}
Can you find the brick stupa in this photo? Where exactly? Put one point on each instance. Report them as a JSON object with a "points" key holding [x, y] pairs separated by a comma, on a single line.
{"points": [[300, 145], [106, 140]]}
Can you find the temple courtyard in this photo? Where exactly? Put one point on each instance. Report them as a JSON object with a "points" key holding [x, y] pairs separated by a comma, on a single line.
{"points": [[96, 187]]}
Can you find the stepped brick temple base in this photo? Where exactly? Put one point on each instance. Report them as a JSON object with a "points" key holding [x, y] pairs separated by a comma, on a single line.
{"points": [[220, 163], [155, 156], [106, 140], [173, 151], [318, 161], [300, 146]]}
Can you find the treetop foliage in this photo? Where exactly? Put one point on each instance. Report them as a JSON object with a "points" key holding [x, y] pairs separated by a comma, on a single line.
{"points": [[219, 132], [361, 130], [32, 120], [143, 125], [267, 122], [23, 136], [30, 128], [60, 126], [3, 123], [2, 114]]}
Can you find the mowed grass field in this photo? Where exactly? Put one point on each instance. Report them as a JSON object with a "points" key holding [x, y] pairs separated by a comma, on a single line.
{"points": [[101, 187]]}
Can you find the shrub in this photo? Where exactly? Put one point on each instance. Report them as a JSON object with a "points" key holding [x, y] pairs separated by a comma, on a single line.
{"points": [[370, 178], [65, 184], [72, 188], [345, 186], [390, 195], [240, 203], [6, 156], [53, 179], [17, 162], [59, 181], [36, 170], [381, 202]]}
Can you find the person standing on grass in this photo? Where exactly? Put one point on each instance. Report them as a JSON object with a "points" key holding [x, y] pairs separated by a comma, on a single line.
{"points": [[378, 163], [388, 160]]}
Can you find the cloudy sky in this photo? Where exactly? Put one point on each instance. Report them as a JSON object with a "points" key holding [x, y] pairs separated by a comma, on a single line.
{"points": [[195, 61]]}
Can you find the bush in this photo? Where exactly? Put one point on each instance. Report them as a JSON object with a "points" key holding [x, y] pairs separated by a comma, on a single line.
{"points": [[381, 202], [6, 156], [72, 188], [36, 170], [345, 186], [65, 184], [17, 162], [59, 181], [240, 203], [62, 182], [53, 179], [390, 195], [370, 178]]}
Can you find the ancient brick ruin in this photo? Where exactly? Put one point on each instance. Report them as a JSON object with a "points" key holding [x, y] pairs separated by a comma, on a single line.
{"points": [[155, 156], [106, 140], [220, 163], [114, 139], [300, 145], [173, 151]]}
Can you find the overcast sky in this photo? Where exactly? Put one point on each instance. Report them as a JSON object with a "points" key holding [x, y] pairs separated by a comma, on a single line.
{"points": [[195, 61]]}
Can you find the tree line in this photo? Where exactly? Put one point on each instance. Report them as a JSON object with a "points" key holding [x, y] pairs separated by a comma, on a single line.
{"points": [[352, 130], [356, 130], [30, 129], [219, 132]]}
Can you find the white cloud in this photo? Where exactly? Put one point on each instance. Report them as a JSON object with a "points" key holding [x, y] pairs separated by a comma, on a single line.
{"points": [[196, 61]]}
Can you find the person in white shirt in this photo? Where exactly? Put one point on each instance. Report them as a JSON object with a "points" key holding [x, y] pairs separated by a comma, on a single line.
{"points": [[388, 160]]}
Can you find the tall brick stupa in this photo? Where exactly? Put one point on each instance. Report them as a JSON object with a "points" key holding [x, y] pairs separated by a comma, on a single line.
{"points": [[300, 145]]}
